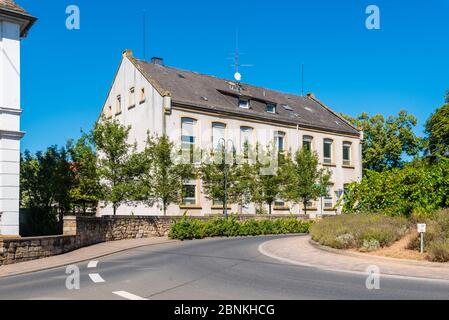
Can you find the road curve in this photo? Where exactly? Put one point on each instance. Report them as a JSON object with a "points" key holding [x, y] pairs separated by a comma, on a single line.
{"points": [[210, 269]]}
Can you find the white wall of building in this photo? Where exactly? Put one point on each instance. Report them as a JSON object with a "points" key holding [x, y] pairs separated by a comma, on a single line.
{"points": [[10, 134], [150, 116]]}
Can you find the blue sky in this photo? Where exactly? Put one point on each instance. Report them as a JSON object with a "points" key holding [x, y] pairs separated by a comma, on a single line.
{"points": [[66, 74]]}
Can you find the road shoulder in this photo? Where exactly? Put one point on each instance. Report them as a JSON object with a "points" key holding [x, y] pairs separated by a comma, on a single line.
{"points": [[300, 251]]}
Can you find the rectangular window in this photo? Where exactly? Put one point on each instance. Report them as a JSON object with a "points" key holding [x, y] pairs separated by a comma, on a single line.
{"points": [[244, 103], [279, 202], [329, 200], [279, 138], [246, 135], [327, 152], [189, 192], [188, 128], [142, 95], [109, 112], [307, 143], [131, 98], [218, 135], [118, 108], [271, 108], [347, 153]]}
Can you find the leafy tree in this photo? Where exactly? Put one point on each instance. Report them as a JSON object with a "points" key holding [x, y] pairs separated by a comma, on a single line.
{"points": [[119, 164], [437, 130], [387, 141], [163, 178], [86, 191], [267, 186], [304, 180], [46, 180]]}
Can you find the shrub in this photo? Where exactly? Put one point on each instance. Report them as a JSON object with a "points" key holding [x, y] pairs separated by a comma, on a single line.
{"points": [[366, 232], [438, 251], [186, 228]]}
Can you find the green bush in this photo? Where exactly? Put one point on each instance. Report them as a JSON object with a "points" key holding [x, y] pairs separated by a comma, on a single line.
{"points": [[366, 232], [190, 228]]}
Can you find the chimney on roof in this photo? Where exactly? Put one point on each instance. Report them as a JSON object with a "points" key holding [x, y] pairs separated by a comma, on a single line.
{"points": [[311, 95], [157, 60]]}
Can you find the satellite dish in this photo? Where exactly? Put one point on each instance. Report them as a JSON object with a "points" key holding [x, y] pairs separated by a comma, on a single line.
{"points": [[237, 76]]}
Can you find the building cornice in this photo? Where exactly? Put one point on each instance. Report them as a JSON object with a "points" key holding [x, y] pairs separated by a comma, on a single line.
{"points": [[11, 111], [12, 134], [177, 105]]}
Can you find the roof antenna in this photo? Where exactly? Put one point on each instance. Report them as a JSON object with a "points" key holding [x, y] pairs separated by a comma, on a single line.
{"points": [[144, 26], [237, 65]]}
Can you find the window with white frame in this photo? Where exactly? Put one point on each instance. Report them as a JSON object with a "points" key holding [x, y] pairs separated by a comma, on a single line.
{"points": [[279, 202], [118, 108], [132, 93], [246, 135], [328, 201], [347, 146], [189, 192], [327, 152], [271, 108], [307, 142], [279, 139], [218, 135], [244, 103], [188, 129]]}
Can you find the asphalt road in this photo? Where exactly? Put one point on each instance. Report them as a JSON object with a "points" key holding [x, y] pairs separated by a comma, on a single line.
{"points": [[214, 269]]}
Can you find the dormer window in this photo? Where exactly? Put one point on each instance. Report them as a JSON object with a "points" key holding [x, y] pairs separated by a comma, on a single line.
{"points": [[244, 103], [271, 108]]}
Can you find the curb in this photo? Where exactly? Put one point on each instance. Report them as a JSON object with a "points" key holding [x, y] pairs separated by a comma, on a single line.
{"points": [[427, 264], [264, 252], [80, 260]]}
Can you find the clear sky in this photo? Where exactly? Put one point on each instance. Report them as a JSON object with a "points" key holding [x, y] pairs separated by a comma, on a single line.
{"points": [[66, 74]]}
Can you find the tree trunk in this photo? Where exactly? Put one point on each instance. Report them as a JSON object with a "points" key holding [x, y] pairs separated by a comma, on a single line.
{"points": [[165, 209], [269, 208], [114, 206], [305, 207]]}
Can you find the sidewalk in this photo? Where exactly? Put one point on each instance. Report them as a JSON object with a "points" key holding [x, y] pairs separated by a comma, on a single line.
{"points": [[300, 251], [80, 255]]}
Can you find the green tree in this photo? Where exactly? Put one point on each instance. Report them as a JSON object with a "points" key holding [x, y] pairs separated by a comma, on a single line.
{"points": [[437, 130], [163, 178], [387, 141], [86, 191], [267, 185], [304, 180], [46, 180], [119, 165]]}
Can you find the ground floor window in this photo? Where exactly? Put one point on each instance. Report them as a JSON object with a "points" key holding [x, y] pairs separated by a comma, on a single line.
{"points": [[189, 192], [329, 200]]}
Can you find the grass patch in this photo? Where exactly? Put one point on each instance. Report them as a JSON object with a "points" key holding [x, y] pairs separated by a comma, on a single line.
{"points": [[365, 232], [188, 228], [436, 238]]}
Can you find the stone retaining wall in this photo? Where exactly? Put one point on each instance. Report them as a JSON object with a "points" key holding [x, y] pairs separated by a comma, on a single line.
{"points": [[85, 231]]}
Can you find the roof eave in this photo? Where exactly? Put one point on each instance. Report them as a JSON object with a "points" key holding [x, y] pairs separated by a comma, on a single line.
{"points": [[29, 20]]}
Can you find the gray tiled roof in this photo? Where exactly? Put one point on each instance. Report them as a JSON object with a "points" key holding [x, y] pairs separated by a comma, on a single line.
{"points": [[209, 93]]}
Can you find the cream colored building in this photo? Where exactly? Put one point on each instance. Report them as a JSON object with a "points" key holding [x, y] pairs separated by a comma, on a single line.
{"points": [[14, 25], [197, 109]]}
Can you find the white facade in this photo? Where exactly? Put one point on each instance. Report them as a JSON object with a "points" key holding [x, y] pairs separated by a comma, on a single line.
{"points": [[156, 113], [11, 32]]}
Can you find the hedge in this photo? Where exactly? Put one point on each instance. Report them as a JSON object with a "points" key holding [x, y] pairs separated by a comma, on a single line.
{"points": [[188, 228]]}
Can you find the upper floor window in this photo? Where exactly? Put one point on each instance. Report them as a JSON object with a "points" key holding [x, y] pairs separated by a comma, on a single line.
{"points": [[271, 108], [246, 134], [131, 97], [142, 95], [244, 103], [218, 135], [109, 112], [279, 139], [327, 152], [118, 108], [347, 146], [188, 128], [307, 143]]}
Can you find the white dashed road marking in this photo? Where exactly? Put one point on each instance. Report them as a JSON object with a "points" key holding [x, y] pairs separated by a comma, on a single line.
{"points": [[95, 277], [92, 264], [128, 295]]}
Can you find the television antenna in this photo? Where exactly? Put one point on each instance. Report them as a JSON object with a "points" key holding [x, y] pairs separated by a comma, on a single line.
{"points": [[237, 65]]}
